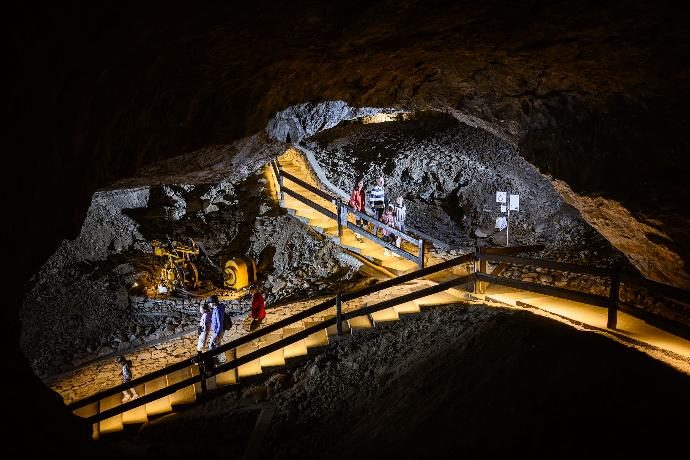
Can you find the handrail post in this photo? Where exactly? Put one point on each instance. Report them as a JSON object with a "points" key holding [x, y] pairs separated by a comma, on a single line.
{"points": [[482, 269], [340, 218], [338, 314], [281, 181], [202, 373], [420, 248], [474, 269], [614, 291]]}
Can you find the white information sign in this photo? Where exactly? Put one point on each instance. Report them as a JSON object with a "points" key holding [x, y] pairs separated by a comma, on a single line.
{"points": [[503, 208], [501, 223], [501, 197], [514, 202]]}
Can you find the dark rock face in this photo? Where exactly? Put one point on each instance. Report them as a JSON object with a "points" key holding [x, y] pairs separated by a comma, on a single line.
{"points": [[595, 94]]}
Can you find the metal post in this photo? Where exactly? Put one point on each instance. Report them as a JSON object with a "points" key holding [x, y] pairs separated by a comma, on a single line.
{"points": [[482, 269], [281, 181], [474, 269], [612, 321], [508, 223], [340, 218], [420, 248], [338, 314], [202, 372]]}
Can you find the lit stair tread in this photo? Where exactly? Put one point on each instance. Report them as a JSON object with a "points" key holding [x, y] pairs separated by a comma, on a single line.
{"points": [[210, 381], [407, 308], [333, 330], [160, 405], [440, 298], [385, 315], [88, 411], [250, 368], [228, 377], [298, 348], [114, 423], [512, 298], [138, 414], [318, 338], [184, 395], [360, 322], [274, 358]]}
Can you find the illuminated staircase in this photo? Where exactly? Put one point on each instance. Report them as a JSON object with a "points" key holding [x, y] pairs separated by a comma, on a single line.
{"points": [[364, 247], [282, 357]]}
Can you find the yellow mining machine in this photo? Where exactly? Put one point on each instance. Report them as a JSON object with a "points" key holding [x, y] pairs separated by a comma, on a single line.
{"points": [[240, 272], [179, 271]]}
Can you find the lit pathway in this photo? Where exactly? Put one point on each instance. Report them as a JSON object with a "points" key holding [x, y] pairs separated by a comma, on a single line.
{"points": [[100, 376], [629, 330]]}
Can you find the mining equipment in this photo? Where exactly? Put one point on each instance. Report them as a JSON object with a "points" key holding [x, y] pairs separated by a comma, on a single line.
{"points": [[179, 273], [240, 272]]}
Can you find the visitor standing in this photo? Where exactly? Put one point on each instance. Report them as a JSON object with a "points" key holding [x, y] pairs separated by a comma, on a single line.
{"points": [[258, 312], [400, 213], [217, 325], [126, 364], [389, 219], [204, 327], [377, 200], [357, 202]]}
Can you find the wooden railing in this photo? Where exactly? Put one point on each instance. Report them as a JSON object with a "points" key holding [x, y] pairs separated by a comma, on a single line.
{"points": [[480, 256], [611, 301], [342, 213], [203, 359]]}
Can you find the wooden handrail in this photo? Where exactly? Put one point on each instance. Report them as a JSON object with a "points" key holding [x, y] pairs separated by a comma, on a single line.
{"points": [[661, 288], [263, 351], [310, 203], [309, 187], [378, 223], [510, 250], [408, 297], [574, 268], [268, 329], [567, 294]]}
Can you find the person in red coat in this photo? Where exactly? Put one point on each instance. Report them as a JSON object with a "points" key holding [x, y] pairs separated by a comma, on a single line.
{"points": [[258, 308], [358, 200], [258, 312]]}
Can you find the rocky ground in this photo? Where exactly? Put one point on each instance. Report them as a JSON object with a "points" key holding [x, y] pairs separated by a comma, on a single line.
{"points": [[465, 381], [449, 173], [85, 302]]}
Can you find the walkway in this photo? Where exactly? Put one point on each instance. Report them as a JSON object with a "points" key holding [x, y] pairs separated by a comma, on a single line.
{"points": [[629, 329], [100, 376], [295, 165]]}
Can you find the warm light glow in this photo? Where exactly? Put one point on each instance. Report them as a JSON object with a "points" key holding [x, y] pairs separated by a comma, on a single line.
{"points": [[386, 117]]}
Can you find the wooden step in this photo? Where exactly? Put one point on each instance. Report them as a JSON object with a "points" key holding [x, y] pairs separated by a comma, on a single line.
{"points": [[184, 395], [333, 330], [441, 298], [407, 308], [360, 323], [275, 358], [227, 377], [318, 338], [114, 423], [138, 414], [210, 381], [298, 348], [88, 411], [160, 405], [251, 368], [386, 315]]}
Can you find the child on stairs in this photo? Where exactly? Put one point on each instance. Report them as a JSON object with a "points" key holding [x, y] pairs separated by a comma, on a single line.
{"points": [[126, 377]]}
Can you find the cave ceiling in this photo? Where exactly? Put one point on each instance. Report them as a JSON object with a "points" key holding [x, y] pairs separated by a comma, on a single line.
{"points": [[594, 94]]}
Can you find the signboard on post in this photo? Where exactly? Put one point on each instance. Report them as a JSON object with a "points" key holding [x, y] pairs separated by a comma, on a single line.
{"points": [[514, 203], [501, 223], [508, 203]]}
